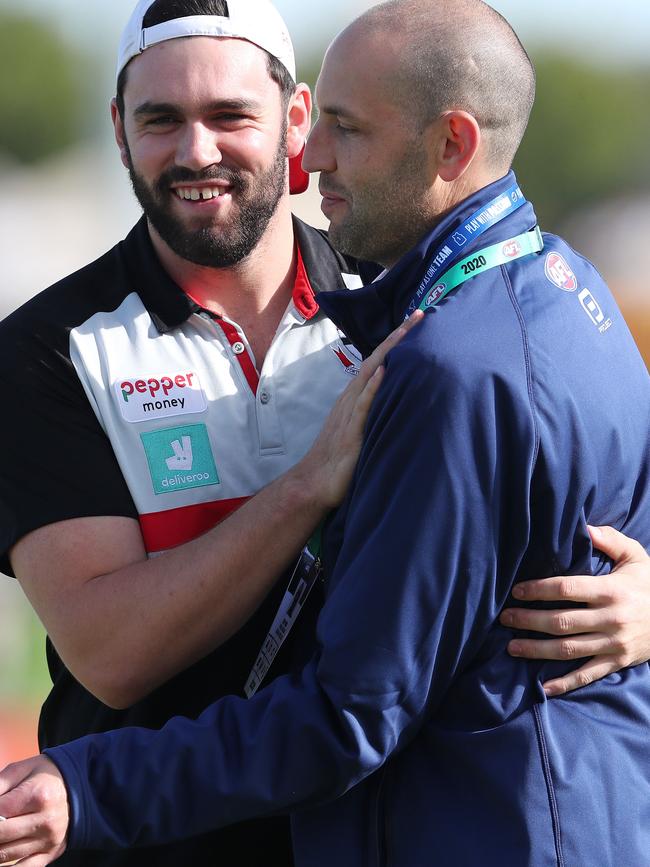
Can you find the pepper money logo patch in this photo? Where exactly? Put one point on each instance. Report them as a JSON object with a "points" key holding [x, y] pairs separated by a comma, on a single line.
{"points": [[180, 458], [159, 396]]}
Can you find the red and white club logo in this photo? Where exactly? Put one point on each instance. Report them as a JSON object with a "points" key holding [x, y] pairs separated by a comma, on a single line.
{"points": [[512, 249], [559, 273], [349, 361]]}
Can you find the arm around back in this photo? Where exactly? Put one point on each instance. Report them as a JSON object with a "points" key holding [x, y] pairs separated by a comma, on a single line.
{"points": [[408, 604]]}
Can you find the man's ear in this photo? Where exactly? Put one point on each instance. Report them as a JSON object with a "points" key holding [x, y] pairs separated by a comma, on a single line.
{"points": [[298, 125], [298, 120], [456, 139], [118, 127]]}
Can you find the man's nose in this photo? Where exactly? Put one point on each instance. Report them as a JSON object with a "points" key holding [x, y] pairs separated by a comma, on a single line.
{"points": [[198, 147], [319, 155]]}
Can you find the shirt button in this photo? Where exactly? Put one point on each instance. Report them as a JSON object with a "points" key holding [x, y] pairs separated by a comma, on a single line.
{"points": [[265, 397], [238, 348]]}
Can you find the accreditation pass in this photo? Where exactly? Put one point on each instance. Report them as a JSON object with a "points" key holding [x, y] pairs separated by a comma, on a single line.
{"points": [[306, 573]]}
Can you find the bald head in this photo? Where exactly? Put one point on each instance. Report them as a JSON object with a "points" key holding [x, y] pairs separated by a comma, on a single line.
{"points": [[456, 54]]}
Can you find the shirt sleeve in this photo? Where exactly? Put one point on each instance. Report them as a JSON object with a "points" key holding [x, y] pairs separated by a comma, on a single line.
{"points": [[432, 535], [56, 461]]}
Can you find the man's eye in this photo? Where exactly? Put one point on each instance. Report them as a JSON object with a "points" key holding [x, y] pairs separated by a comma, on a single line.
{"points": [[230, 118], [162, 120]]}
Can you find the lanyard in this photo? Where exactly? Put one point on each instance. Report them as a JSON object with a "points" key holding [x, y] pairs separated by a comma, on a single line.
{"points": [[489, 215], [305, 574], [480, 261]]}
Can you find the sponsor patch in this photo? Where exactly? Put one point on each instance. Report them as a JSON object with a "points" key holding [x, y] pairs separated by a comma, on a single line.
{"points": [[558, 272], [155, 397], [180, 458], [594, 311]]}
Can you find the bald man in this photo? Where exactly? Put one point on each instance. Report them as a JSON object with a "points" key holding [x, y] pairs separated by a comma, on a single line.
{"points": [[514, 416]]}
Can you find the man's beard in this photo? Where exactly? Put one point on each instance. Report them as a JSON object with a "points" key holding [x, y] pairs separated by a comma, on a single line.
{"points": [[376, 229], [225, 245]]}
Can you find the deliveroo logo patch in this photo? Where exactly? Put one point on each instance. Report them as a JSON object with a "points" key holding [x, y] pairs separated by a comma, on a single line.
{"points": [[180, 458]]}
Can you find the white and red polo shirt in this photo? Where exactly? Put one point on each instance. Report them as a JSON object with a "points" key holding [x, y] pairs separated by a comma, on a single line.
{"points": [[115, 364]]}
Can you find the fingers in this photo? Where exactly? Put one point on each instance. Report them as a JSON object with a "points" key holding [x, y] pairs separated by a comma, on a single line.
{"points": [[570, 621], [37, 860], [575, 647], [35, 802], [27, 826], [585, 588], [351, 408], [19, 849], [364, 400], [328, 466], [376, 358], [356, 399], [565, 588], [18, 840], [416, 317], [591, 671], [616, 545]]}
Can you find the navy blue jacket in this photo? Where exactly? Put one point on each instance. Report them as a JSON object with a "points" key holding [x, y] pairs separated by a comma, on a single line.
{"points": [[514, 415]]}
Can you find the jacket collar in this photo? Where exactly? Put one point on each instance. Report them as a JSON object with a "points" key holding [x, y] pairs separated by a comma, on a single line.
{"points": [[369, 314]]}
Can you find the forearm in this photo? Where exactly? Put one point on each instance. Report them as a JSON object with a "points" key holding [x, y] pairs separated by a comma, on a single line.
{"points": [[126, 631], [139, 787], [193, 598]]}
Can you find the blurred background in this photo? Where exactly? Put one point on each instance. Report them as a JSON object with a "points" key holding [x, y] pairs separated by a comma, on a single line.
{"points": [[65, 199]]}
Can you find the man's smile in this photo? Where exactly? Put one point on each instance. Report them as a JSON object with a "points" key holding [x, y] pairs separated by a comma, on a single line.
{"points": [[195, 193]]}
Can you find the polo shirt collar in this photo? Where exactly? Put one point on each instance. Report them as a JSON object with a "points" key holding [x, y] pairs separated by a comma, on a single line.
{"points": [[319, 270], [168, 306]]}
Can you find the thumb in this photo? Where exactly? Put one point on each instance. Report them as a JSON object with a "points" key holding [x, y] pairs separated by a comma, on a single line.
{"points": [[616, 545]]}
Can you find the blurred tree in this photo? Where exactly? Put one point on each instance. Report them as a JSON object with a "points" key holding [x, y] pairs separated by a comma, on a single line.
{"points": [[587, 139], [41, 90]]}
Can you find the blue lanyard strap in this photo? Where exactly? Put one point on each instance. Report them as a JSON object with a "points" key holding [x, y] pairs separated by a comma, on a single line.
{"points": [[480, 261], [480, 221]]}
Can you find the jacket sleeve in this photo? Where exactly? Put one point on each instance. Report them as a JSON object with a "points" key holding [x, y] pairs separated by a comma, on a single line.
{"points": [[433, 530]]}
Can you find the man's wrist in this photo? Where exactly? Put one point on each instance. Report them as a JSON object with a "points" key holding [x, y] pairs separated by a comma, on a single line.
{"points": [[305, 488]]}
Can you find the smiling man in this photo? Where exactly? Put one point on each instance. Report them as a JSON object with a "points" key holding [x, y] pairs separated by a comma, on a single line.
{"points": [[208, 199], [410, 738]]}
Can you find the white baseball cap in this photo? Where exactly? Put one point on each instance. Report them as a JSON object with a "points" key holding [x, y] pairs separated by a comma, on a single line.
{"points": [[257, 21]]}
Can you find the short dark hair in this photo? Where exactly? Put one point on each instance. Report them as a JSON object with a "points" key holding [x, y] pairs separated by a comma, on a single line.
{"points": [[168, 10], [461, 54]]}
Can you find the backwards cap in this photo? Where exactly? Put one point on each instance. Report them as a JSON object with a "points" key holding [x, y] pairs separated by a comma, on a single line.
{"points": [[257, 21]]}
